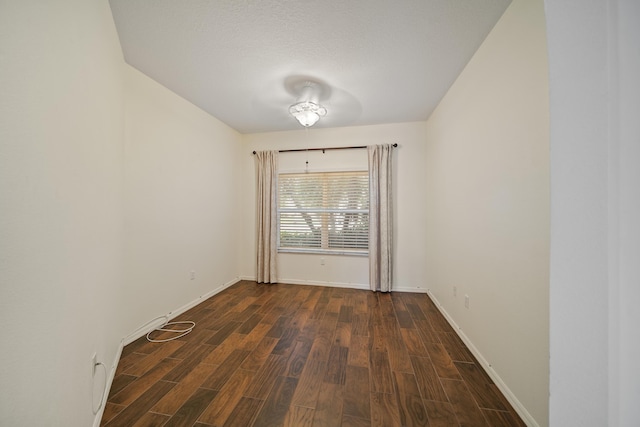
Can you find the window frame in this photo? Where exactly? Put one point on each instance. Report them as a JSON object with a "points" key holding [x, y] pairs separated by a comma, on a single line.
{"points": [[325, 229]]}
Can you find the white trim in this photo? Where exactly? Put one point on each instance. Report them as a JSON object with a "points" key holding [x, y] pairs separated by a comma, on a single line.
{"points": [[513, 400], [363, 286], [318, 251], [412, 290], [112, 373], [316, 283], [320, 283]]}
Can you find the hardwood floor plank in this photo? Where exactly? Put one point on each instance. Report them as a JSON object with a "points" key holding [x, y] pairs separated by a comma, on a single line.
{"points": [[196, 339], [360, 324], [278, 327], [464, 406], [216, 380], [120, 382], [162, 350], [244, 413], [128, 361], [219, 353], [264, 378], [415, 311], [246, 307], [335, 302], [151, 419], [321, 306], [252, 339], [312, 298], [222, 405], [173, 400], [297, 359], [359, 351], [441, 361], [457, 351], [413, 342], [259, 355], [384, 410], [223, 333], [309, 383], [342, 335], [349, 421], [134, 411], [188, 364], [404, 319], [502, 418], [357, 399], [298, 416], [275, 407], [309, 329], [386, 305], [138, 387], [337, 365], [398, 355], [345, 314], [248, 325], [322, 341], [381, 380], [440, 414], [286, 342], [486, 394], [426, 331], [110, 411], [412, 411], [299, 319], [328, 412], [192, 408], [428, 381]]}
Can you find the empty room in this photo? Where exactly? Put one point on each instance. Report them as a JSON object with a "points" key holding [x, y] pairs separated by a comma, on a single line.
{"points": [[356, 213]]}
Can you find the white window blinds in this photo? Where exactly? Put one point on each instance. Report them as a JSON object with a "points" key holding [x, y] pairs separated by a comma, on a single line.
{"points": [[327, 211]]}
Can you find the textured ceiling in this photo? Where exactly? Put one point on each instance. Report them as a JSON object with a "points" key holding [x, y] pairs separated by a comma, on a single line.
{"points": [[378, 61]]}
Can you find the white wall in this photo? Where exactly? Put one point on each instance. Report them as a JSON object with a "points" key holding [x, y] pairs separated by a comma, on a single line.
{"points": [[594, 65], [61, 222], [181, 200], [352, 271], [487, 186]]}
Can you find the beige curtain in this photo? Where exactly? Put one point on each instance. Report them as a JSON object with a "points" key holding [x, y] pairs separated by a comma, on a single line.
{"points": [[267, 239], [380, 218]]}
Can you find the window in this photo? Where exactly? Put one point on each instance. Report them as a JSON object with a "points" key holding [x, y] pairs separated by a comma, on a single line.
{"points": [[324, 212]]}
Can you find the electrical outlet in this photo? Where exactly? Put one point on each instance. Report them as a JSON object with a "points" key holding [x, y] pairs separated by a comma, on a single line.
{"points": [[466, 301], [321, 261], [192, 275], [94, 363], [455, 291]]}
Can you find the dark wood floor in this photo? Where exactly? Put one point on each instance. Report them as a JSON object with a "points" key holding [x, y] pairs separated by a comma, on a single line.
{"points": [[273, 355]]}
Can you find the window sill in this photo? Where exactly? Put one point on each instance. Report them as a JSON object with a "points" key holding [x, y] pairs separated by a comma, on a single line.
{"points": [[347, 252]]}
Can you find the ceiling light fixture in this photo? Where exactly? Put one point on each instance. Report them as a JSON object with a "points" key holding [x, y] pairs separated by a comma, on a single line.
{"points": [[307, 110]]}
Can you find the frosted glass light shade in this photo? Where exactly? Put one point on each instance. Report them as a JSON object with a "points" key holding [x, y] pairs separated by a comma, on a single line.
{"points": [[307, 113]]}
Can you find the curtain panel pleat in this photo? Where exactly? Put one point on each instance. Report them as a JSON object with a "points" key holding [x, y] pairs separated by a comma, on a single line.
{"points": [[380, 218], [267, 226]]}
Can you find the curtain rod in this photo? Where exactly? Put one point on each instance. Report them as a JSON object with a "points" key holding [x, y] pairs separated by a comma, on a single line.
{"points": [[323, 149]]}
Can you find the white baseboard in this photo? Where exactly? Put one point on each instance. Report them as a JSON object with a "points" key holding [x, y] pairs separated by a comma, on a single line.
{"points": [[364, 286], [413, 290], [327, 284], [109, 382], [316, 283], [513, 400]]}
